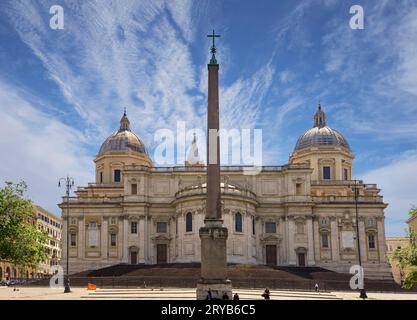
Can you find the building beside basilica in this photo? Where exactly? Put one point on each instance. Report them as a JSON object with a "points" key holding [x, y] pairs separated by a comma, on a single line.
{"points": [[298, 214]]}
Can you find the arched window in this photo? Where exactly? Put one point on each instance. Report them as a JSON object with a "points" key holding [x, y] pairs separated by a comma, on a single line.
{"points": [[238, 222], [189, 222], [325, 240]]}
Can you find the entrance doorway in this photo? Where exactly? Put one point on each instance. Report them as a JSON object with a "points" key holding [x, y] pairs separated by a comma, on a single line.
{"points": [[161, 254], [133, 257], [301, 259], [271, 255]]}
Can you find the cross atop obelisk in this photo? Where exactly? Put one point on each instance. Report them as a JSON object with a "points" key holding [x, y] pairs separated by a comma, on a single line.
{"points": [[213, 47], [213, 234]]}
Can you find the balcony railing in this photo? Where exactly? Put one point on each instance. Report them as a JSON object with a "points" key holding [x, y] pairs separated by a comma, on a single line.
{"points": [[342, 199], [222, 168]]}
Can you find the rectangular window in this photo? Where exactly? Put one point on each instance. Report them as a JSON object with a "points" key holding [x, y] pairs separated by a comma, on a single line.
{"points": [[117, 175], [345, 174], [371, 241], [134, 227], [371, 223], [73, 239], [270, 227], [134, 188], [326, 173], [101, 177], [113, 239], [298, 190], [325, 240], [253, 225], [161, 227]]}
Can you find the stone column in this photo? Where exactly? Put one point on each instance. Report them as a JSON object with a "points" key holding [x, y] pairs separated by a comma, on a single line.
{"points": [[81, 238], [125, 238], [120, 241], [334, 239], [292, 259], [381, 239], [363, 240], [317, 239], [142, 232], [310, 239], [104, 238]]}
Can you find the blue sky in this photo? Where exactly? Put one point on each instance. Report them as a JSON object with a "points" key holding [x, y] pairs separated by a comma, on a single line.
{"points": [[62, 92]]}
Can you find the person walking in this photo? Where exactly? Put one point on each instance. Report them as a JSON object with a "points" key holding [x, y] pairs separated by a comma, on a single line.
{"points": [[209, 295], [236, 296], [316, 287], [266, 294]]}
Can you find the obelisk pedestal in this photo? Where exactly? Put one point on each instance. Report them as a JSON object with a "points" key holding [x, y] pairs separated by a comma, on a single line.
{"points": [[213, 262], [213, 235]]}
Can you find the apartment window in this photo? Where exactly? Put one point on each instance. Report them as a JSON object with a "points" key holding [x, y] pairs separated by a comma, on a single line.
{"points": [[161, 227], [188, 222], [325, 240], [253, 225], [326, 173], [238, 222], [346, 174], [113, 240], [270, 227], [371, 241], [73, 239], [117, 176], [134, 188], [134, 227]]}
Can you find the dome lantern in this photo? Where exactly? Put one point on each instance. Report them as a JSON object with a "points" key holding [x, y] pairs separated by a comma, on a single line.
{"points": [[321, 134], [319, 118], [123, 141]]}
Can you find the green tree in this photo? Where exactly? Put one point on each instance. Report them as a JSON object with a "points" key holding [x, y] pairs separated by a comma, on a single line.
{"points": [[406, 259], [412, 212], [21, 242]]}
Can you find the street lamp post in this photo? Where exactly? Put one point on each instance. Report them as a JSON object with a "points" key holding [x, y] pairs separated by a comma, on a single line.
{"points": [[362, 291], [69, 183]]}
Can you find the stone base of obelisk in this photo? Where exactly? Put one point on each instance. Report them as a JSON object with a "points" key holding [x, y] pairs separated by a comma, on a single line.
{"points": [[213, 262], [217, 287]]}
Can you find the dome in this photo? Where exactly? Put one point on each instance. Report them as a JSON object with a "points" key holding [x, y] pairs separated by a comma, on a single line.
{"points": [[321, 135], [124, 141]]}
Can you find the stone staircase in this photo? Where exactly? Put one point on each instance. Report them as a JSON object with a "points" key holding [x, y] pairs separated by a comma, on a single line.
{"points": [[190, 294], [186, 275]]}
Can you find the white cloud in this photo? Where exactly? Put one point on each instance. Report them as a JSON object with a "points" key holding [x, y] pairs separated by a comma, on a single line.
{"points": [[398, 181], [39, 150]]}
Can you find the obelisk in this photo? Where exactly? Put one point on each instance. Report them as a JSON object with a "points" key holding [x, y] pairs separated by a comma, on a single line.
{"points": [[213, 234]]}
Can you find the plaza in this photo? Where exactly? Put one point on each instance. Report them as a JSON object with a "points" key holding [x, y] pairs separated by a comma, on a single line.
{"points": [[46, 293]]}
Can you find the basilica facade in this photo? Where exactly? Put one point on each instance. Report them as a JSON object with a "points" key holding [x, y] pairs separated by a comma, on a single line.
{"points": [[299, 214]]}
